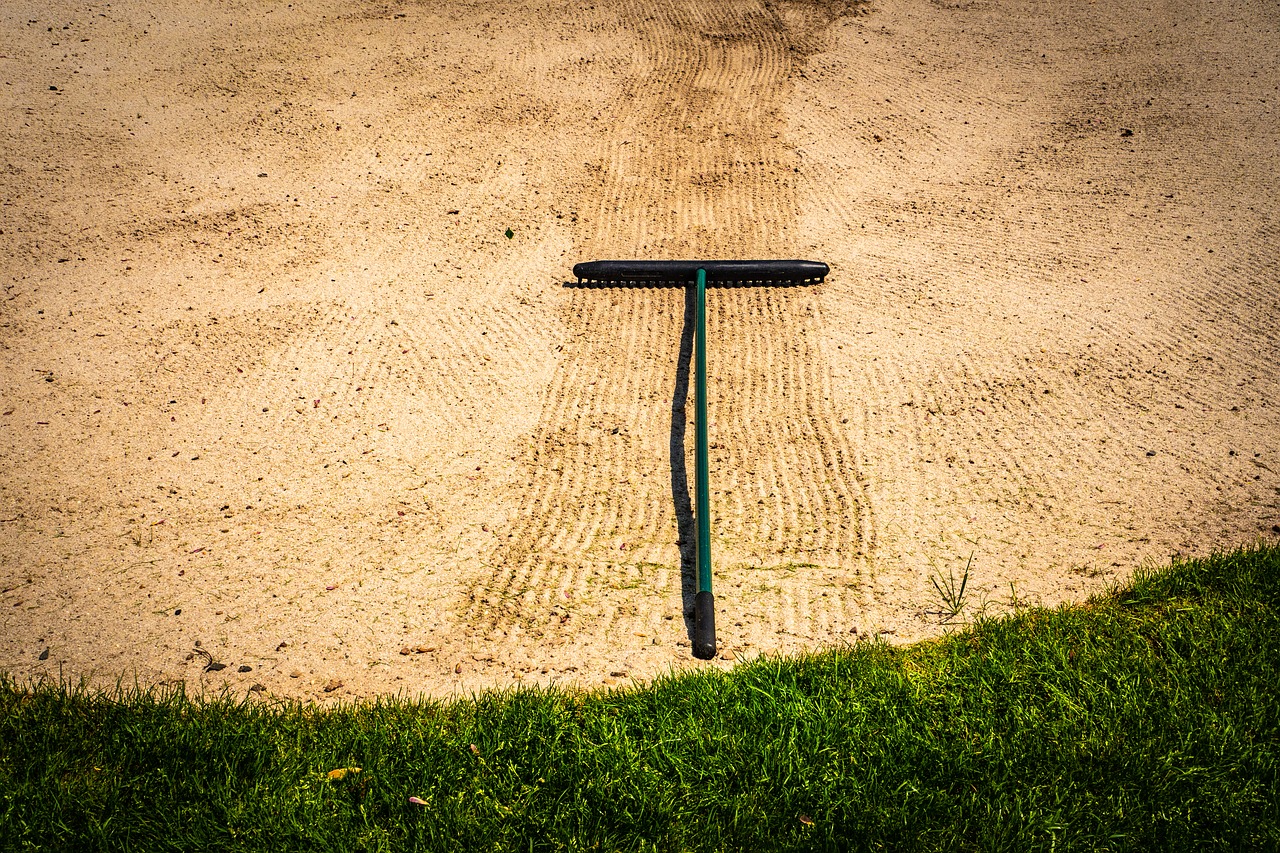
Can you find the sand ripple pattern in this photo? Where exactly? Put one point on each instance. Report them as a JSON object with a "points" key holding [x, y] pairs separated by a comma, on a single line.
{"points": [[689, 165]]}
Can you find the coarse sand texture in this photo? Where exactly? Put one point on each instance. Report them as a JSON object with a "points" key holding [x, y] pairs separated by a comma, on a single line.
{"points": [[296, 378]]}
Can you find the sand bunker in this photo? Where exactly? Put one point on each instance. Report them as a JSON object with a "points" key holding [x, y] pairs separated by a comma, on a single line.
{"points": [[291, 371]]}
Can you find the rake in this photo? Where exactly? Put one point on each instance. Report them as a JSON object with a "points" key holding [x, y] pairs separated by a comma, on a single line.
{"points": [[700, 273]]}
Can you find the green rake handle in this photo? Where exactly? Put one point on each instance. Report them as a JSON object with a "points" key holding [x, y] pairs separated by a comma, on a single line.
{"points": [[704, 606]]}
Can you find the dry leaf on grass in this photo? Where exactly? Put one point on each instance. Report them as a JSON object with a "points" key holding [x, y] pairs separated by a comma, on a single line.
{"points": [[342, 773]]}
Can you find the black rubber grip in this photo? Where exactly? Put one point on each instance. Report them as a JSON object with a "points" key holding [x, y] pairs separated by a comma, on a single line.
{"points": [[686, 271], [704, 626]]}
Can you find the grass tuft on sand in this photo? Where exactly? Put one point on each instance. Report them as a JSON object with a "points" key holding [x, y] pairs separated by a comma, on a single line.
{"points": [[1145, 719]]}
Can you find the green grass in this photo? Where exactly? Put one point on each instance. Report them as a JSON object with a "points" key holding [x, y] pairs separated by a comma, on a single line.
{"points": [[1147, 719]]}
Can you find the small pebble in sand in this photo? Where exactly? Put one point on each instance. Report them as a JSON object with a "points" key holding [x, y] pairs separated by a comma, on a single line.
{"points": [[332, 685]]}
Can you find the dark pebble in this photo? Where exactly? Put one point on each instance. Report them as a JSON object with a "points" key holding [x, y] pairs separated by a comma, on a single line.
{"points": [[44, 655], [178, 612], [215, 667], [245, 669], [1151, 453]]}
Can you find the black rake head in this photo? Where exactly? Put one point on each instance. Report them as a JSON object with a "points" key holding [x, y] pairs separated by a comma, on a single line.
{"points": [[741, 273]]}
